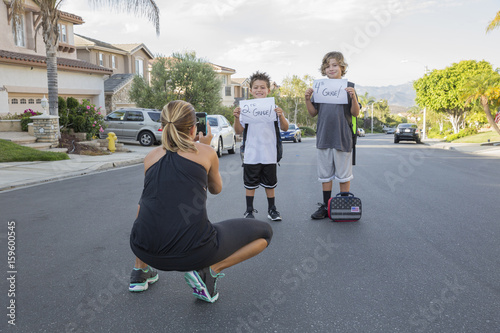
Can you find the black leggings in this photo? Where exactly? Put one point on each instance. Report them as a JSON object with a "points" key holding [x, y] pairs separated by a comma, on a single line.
{"points": [[232, 235]]}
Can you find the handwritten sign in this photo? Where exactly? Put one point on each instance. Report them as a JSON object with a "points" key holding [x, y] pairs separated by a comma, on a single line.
{"points": [[330, 91], [259, 110]]}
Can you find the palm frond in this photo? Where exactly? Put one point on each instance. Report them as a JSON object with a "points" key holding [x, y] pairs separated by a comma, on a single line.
{"points": [[144, 8], [495, 23]]}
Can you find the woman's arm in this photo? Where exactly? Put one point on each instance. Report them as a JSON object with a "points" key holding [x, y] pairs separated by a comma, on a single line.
{"points": [[214, 177]]}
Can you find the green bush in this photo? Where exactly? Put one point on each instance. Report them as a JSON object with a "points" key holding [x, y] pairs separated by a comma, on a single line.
{"points": [[72, 103], [78, 123], [26, 118], [63, 112], [307, 131], [463, 133]]}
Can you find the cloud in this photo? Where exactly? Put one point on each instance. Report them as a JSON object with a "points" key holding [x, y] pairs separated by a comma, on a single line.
{"points": [[254, 51]]}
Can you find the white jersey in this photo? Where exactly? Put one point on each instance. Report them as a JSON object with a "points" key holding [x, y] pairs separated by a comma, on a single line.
{"points": [[260, 144]]}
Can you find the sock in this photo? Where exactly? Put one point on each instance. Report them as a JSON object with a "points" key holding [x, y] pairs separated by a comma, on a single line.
{"points": [[270, 203], [249, 203], [326, 196]]}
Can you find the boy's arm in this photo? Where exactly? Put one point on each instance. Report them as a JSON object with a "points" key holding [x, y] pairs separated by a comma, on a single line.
{"points": [[283, 121], [354, 99], [310, 107], [238, 128]]}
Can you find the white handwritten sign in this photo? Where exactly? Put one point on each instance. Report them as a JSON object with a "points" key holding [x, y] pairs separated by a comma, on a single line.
{"points": [[258, 110], [330, 91]]}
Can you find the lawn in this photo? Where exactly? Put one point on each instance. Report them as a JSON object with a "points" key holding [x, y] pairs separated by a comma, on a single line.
{"points": [[493, 136], [11, 152]]}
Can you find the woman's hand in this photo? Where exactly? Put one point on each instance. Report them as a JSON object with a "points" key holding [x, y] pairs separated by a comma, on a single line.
{"points": [[206, 139]]}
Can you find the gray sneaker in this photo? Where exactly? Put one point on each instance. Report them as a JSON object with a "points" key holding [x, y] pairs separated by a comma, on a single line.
{"points": [[204, 284], [140, 279]]}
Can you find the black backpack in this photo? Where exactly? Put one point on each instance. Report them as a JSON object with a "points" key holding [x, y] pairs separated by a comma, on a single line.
{"points": [[279, 144]]}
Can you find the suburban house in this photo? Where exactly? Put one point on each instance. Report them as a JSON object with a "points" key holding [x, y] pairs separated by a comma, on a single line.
{"points": [[125, 60], [23, 74], [232, 90]]}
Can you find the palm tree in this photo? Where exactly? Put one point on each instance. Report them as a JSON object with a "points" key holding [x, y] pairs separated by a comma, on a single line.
{"points": [[50, 15], [484, 88], [495, 23]]}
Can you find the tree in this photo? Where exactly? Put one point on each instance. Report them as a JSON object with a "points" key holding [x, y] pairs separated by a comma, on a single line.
{"points": [[182, 76], [440, 90], [293, 89], [484, 88], [50, 15], [495, 23]]}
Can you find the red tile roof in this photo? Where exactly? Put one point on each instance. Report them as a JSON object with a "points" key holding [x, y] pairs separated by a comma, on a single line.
{"points": [[62, 63]]}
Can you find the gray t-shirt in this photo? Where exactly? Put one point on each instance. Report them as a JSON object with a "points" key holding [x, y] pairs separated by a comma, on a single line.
{"points": [[333, 130]]}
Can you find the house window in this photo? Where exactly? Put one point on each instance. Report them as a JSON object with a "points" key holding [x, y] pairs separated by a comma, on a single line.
{"points": [[113, 61], [23, 101], [18, 31], [31, 101], [14, 101], [228, 91], [38, 101], [139, 67], [63, 36], [101, 59]]}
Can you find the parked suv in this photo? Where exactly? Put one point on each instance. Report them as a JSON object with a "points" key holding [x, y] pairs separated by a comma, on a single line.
{"points": [[408, 132], [134, 124]]}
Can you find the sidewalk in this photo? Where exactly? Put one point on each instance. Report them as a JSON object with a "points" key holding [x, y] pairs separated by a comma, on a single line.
{"points": [[485, 149], [18, 174]]}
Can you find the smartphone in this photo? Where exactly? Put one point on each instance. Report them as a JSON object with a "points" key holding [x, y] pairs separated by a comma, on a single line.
{"points": [[201, 117]]}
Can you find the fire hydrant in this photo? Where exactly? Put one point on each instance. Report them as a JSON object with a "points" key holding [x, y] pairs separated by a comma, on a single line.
{"points": [[111, 141]]}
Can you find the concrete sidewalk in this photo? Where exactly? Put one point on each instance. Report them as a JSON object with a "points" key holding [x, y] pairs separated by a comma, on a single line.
{"points": [[18, 174]]}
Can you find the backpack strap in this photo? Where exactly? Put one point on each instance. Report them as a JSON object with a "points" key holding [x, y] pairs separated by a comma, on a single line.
{"points": [[350, 120]]}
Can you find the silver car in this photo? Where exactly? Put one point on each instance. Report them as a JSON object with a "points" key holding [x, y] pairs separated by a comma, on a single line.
{"points": [[134, 124], [224, 134]]}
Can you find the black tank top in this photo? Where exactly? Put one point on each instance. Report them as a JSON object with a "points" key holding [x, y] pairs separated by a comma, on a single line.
{"points": [[173, 217]]}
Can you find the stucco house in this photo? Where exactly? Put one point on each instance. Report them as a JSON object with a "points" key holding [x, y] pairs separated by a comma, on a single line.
{"points": [[125, 60], [23, 69]]}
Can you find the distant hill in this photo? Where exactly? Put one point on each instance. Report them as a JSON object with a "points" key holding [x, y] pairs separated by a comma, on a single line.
{"points": [[400, 95]]}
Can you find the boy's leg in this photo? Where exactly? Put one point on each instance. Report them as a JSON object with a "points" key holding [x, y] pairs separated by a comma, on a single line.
{"points": [[251, 178], [345, 187], [142, 276], [343, 169], [269, 180], [326, 174]]}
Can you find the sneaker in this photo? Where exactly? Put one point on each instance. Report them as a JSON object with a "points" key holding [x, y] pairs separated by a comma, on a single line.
{"points": [[204, 284], [273, 214], [249, 214], [321, 213], [140, 279]]}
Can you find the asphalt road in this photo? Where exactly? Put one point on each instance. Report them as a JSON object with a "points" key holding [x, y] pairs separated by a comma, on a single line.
{"points": [[425, 257]]}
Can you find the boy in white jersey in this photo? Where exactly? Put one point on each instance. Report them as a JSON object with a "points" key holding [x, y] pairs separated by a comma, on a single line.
{"points": [[260, 159]]}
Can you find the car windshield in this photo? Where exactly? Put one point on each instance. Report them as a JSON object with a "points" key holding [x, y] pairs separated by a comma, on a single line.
{"points": [[407, 125], [212, 121], [155, 116], [292, 126]]}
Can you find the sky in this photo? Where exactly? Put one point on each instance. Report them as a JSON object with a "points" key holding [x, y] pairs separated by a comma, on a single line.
{"points": [[384, 42]]}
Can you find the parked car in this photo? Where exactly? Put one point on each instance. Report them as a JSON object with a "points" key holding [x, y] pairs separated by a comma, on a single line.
{"points": [[407, 132], [134, 124], [293, 134], [391, 130], [224, 134], [361, 132]]}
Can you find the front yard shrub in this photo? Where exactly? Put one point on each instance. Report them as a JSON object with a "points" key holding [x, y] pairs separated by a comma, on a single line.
{"points": [[26, 118], [463, 133], [307, 131]]}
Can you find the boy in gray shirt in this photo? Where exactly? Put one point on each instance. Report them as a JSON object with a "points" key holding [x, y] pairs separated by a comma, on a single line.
{"points": [[334, 134]]}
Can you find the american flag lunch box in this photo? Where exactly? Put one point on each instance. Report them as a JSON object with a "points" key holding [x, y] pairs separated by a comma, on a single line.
{"points": [[344, 207]]}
